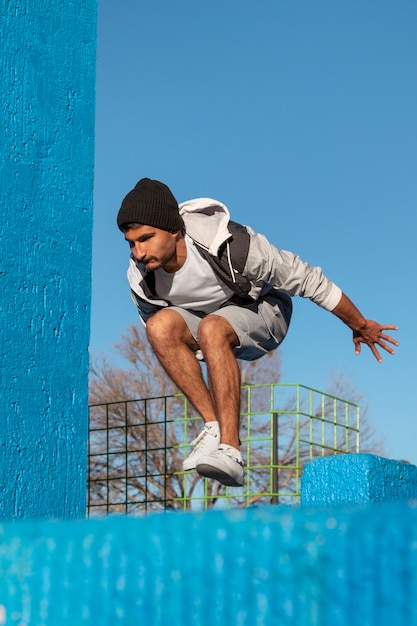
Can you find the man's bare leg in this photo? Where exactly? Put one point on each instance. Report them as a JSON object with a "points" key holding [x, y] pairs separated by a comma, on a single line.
{"points": [[217, 340], [175, 347]]}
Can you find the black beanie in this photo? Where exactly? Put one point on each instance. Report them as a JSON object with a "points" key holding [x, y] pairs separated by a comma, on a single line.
{"points": [[150, 203]]}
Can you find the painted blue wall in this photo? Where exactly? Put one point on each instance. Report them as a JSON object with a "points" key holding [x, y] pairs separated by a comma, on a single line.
{"points": [[46, 186], [264, 566]]}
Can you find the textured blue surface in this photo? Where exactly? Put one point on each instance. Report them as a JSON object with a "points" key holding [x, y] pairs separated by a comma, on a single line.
{"points": [[46, 183], [248, 567], [357, 478]]}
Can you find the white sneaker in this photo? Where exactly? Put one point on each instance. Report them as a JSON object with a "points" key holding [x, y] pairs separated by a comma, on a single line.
{"points": [[224, 465], [206, 443]]}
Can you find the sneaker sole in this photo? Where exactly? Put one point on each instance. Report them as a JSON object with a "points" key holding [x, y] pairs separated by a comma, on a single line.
{"points": [[208, 471]]}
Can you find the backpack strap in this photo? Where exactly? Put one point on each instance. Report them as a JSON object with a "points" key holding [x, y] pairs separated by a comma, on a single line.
{"points": [[230, 270]]}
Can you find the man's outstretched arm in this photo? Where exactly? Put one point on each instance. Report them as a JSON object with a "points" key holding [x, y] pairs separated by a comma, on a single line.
{"points": [[364, 331]]}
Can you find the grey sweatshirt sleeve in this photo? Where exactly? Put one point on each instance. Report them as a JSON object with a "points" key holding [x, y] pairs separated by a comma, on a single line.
{"points": [[266, 264]]}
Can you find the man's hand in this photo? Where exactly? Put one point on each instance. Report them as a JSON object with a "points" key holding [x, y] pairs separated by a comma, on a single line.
{"points": [[364, 331], [372, 334]]}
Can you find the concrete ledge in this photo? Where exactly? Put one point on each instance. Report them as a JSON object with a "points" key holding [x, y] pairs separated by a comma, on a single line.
{"points": [[246, 567], [357, 478]]}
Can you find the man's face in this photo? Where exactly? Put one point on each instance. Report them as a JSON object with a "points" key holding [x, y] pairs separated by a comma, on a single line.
{"points": [[154, 247]]}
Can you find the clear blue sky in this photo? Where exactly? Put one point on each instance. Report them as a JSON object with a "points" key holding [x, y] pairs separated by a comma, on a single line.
{"points": [[302, 118]]}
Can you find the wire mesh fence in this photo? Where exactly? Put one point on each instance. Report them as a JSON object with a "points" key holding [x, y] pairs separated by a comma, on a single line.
{"points": [[136, 449]]}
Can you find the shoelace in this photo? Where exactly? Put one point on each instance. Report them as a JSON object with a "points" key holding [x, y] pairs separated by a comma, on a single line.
{"points": [[203, 433]]}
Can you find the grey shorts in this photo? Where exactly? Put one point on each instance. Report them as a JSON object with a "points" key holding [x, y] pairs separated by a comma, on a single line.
{"points": [[260, 326]]}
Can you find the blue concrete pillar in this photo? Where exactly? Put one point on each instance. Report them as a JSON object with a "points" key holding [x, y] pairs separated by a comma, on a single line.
{"points": [[357, 478], [46, 186]]}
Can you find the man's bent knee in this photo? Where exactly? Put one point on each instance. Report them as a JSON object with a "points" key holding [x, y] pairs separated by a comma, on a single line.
{"points": [[167, 325], [216, 329], [162, 322]]}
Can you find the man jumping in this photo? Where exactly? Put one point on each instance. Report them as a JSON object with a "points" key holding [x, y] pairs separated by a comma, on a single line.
{"points": [[211, 289]]}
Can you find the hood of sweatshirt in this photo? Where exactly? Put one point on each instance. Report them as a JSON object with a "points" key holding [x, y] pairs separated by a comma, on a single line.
{"points": [[211, 233]]}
